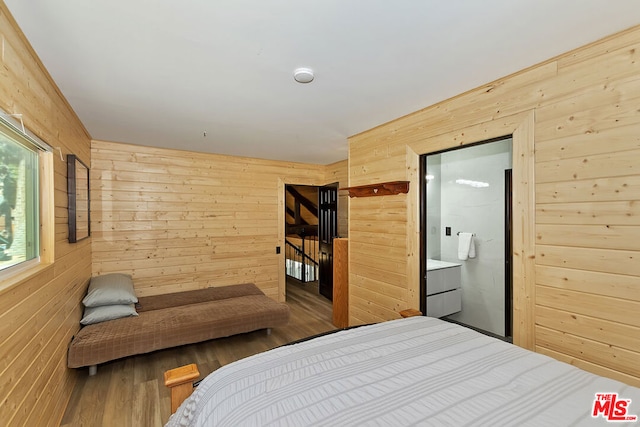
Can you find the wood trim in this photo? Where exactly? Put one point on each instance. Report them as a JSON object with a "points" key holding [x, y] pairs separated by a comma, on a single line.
{"points": [[341, 282], [524, 234], [380, 189], [521, 127], [413, 245], [47, 209], [282, 206]]}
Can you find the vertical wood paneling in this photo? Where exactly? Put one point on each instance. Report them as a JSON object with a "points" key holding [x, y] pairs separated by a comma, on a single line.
{"points": [[40, 313], [523, 240], [341, 282], [575, 219], [177, 220]]}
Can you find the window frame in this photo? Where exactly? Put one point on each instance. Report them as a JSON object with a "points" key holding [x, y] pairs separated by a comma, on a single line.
{"points": [[46, 222]]}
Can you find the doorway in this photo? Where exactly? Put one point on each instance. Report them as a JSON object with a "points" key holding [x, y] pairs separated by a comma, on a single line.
{"points": [[466, 235], [311, 224]]}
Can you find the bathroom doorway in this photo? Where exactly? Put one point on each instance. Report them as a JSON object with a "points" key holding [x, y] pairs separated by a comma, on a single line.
{"points": [[465, 232]]}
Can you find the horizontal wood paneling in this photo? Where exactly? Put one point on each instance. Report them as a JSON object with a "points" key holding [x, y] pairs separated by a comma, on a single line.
{"points": [[594, 328], [625, 237], [608, 165], [625, 188], [590, 259], [588, 143], [582, 280], [603, 213], [591, 367], [607, 284], [39, 314], [597, 109], [603, 307], [177, 220], [593, 351]]}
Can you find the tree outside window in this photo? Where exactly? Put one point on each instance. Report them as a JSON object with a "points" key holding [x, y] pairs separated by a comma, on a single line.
{"points": [[19, 195]]}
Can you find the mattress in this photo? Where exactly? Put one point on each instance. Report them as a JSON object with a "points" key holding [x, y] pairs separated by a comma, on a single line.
{"points": [[414, 371]]}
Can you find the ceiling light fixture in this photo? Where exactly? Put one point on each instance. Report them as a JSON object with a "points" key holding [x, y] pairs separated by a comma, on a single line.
{"points": [[303, 75], [475, 184]]}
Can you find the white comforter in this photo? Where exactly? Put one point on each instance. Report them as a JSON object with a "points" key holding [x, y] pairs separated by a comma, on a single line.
{"points": [[415, 371]]}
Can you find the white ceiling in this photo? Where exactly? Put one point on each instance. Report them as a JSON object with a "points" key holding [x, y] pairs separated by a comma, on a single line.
{"points": [[162, 73]]}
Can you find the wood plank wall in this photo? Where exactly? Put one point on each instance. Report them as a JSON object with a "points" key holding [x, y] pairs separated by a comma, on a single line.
{"points": [[583, 300], [178, 220], [40, 313]]}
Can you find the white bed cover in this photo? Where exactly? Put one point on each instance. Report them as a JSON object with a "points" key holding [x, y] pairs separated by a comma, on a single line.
{"points": [[414, 371]]}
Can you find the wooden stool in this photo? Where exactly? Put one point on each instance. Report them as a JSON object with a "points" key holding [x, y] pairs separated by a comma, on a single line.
{"points": [[180, 380], [410, 312]]}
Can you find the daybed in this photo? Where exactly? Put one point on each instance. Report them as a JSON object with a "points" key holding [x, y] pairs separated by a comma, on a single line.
{"points": [[171, 320], [413, 371]]}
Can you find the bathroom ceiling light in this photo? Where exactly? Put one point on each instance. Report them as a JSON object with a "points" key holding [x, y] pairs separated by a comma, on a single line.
{"points": [[475, 184], [303, 75], [429, 177]]}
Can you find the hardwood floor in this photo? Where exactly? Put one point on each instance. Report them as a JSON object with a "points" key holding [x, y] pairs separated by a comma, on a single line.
{"points": [[131, 391]]}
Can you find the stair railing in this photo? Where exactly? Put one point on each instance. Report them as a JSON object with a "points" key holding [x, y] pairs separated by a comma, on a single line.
{"points": [[299, 264]]}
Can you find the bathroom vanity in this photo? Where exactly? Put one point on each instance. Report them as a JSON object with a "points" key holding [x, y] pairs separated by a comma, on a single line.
{"points": [[444, 288]]}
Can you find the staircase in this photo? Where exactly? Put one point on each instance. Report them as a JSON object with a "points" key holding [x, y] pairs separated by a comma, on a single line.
{"points": [[301, 228]]}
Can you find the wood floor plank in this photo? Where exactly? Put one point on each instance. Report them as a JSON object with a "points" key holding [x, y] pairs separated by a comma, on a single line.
{"points": [[131, 391], [87, 389], [146, 404], [118, 402]]}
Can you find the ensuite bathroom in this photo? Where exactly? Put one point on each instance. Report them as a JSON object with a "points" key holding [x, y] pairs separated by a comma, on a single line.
{"points": [[466, 233]]}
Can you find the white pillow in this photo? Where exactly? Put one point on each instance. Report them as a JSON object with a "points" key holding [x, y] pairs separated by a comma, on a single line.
{"points": [[107, 312], [110, 289]]}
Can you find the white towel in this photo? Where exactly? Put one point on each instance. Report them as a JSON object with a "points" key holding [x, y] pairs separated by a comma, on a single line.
{"points": [[465, 243], [472, 247]]}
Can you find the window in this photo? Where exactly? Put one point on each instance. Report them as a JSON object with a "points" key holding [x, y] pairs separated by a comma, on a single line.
{"points": [[19, 196]]}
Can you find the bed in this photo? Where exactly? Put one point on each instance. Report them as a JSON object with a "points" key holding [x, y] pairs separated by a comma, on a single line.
{"points": [[413, 371]]}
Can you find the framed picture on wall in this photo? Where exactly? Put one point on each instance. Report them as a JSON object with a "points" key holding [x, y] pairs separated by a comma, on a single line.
{"points": [[78, 192]]}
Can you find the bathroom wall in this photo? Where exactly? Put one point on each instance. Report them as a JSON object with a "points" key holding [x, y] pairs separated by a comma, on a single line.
{"points": [[434, 207], [477, 205]]}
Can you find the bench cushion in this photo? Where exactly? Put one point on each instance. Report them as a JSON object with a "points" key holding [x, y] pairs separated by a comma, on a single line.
{"points": [[158, 302], [173, 326]]}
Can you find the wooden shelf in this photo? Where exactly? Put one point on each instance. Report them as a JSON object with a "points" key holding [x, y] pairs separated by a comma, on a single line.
{"points": [[381, 189]]}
